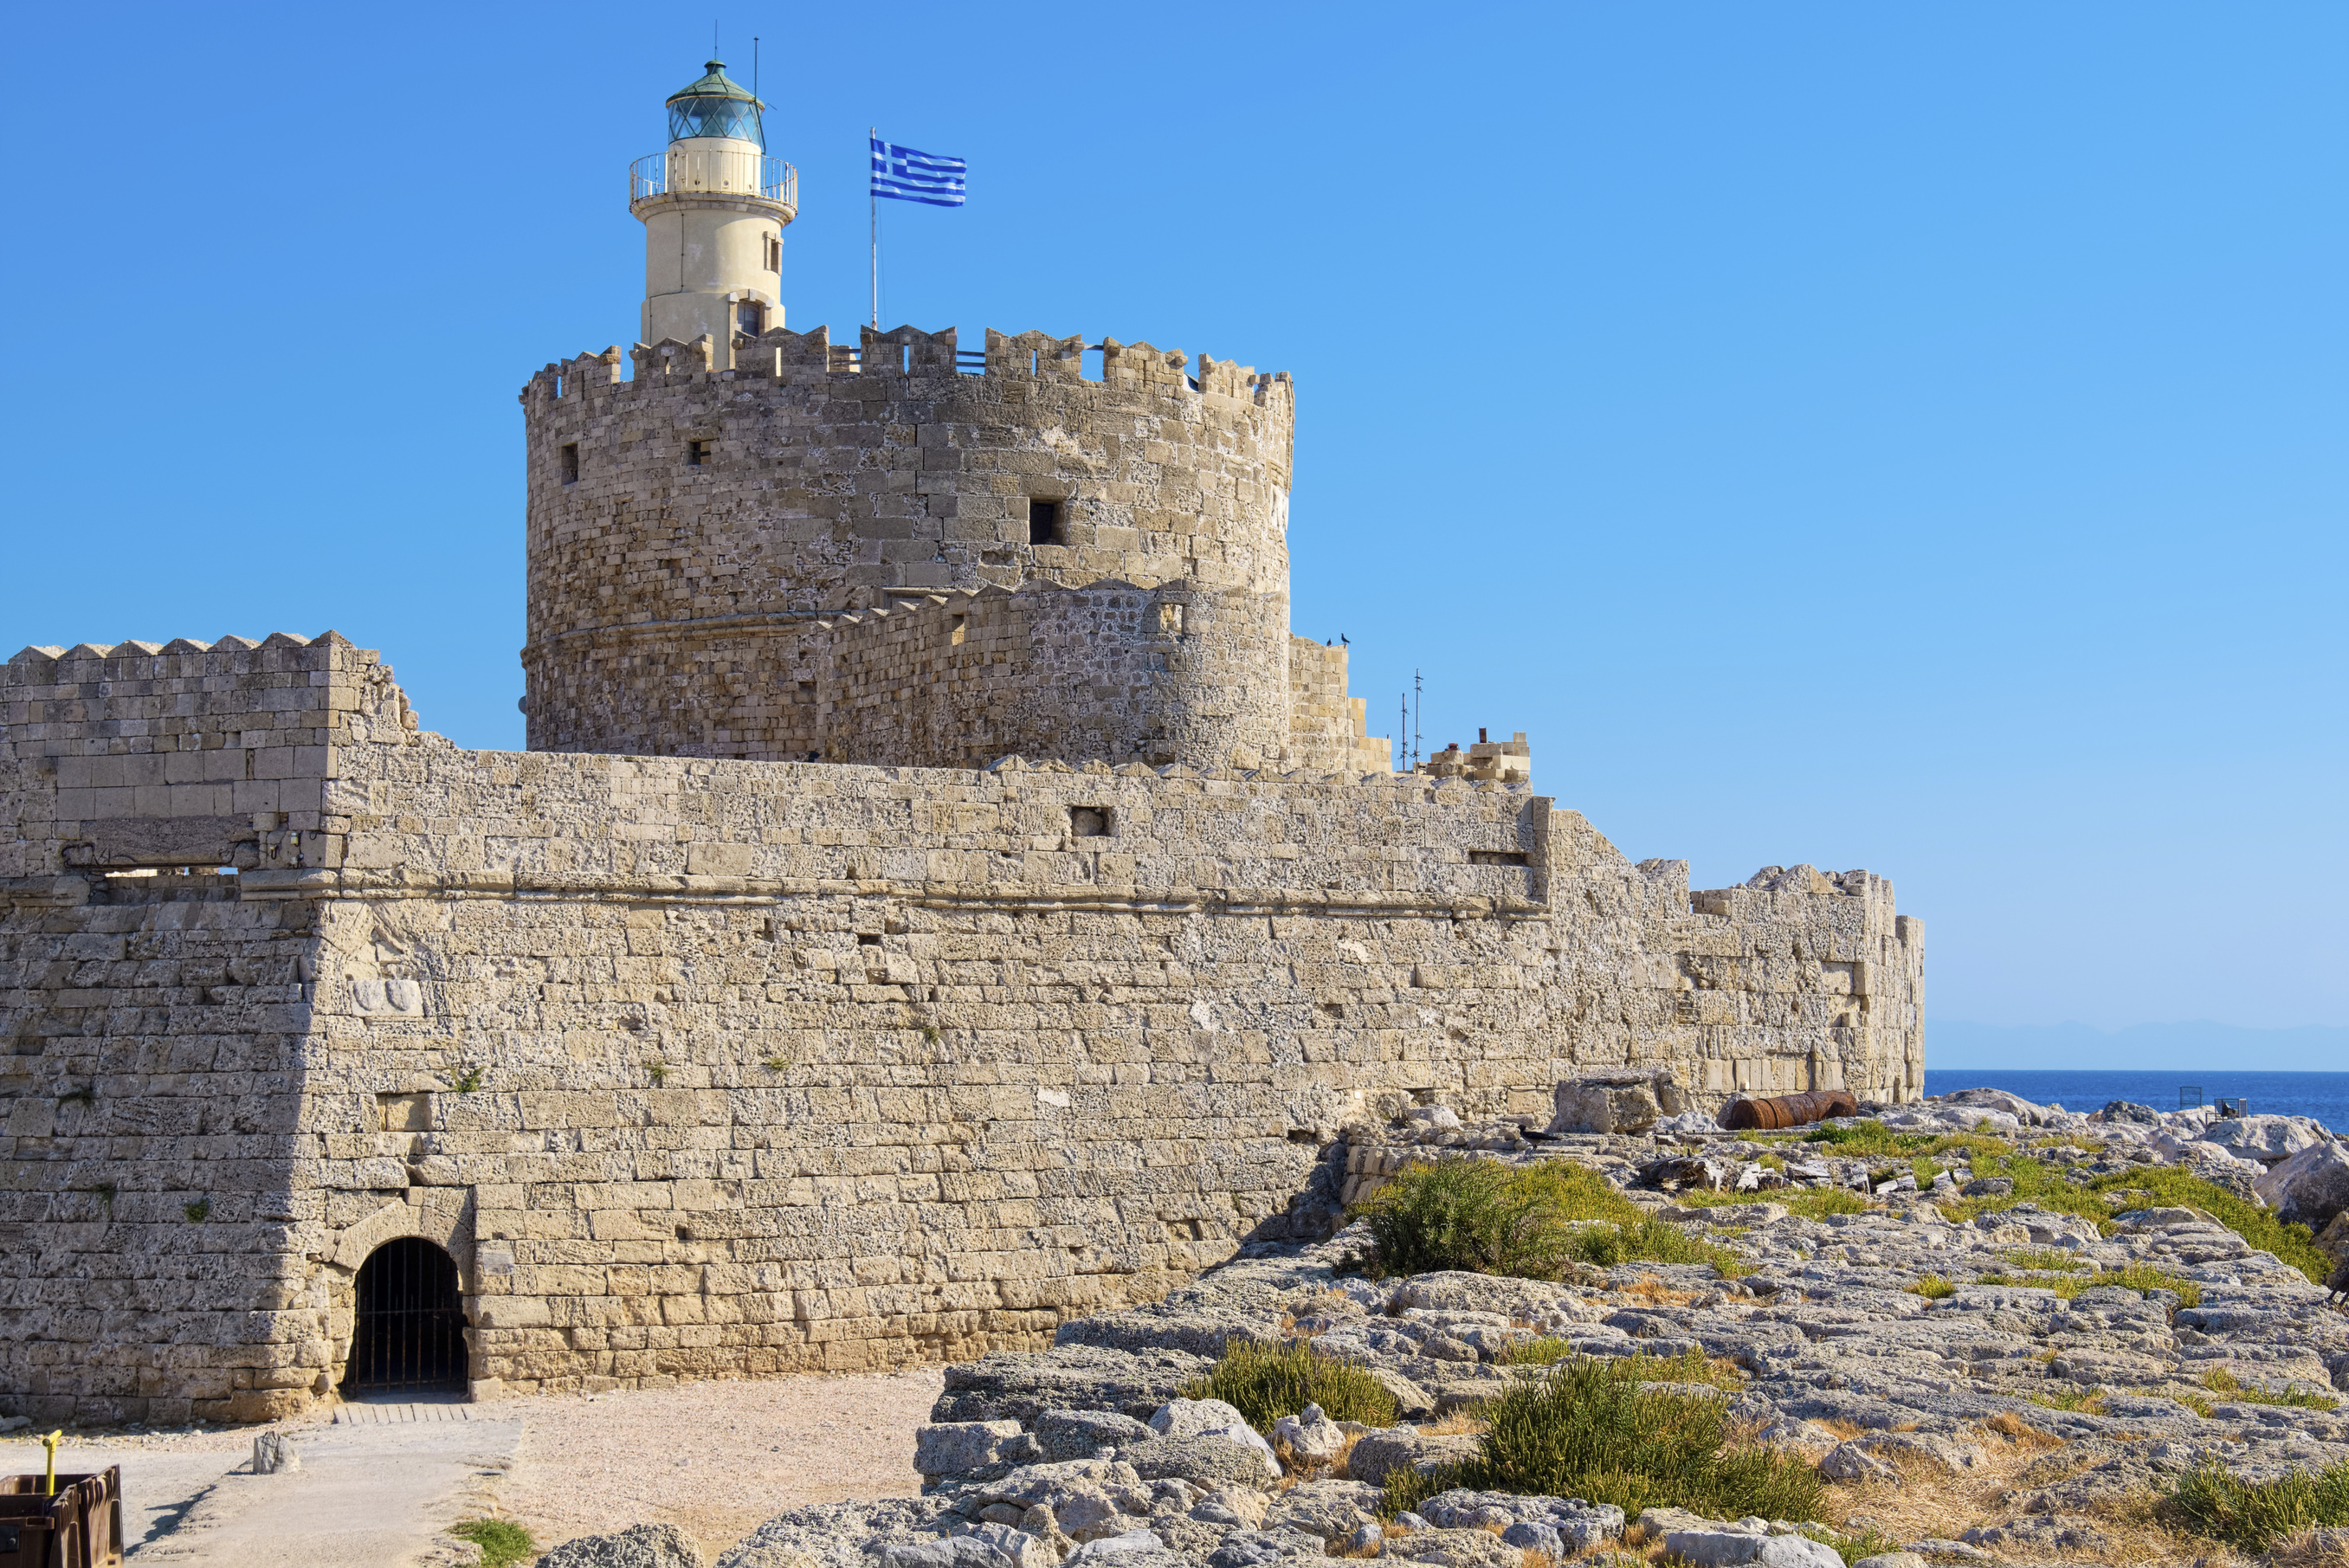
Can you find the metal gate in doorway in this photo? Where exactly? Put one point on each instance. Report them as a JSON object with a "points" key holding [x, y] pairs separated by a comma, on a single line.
{"points": [[409, 1331]]}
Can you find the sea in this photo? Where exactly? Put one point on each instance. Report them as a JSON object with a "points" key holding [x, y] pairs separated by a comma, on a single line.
{"points": [[2322, 1095]]}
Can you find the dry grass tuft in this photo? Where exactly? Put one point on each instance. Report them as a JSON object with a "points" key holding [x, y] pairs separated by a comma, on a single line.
{"points": [[1461, 1422], [2017, 1430], [1656, 1293]]}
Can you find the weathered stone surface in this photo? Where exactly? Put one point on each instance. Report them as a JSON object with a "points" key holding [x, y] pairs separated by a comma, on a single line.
{"points": [[1254, 1548], [839, 1534], [1208, 1462], [1558, 1525], [2270, 1140], [950, 1448], [640, 1546], [1308, 1437], [1020, 1385], [2308, 1187], [1082, 1434], [698, 1033], [1442, 1548], [1615, 1102], [1335, 1510], [1720, 1548], [1378, 1453]]}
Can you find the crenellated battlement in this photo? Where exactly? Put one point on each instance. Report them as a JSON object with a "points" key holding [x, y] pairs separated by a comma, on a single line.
{"points": [[782, 354]]}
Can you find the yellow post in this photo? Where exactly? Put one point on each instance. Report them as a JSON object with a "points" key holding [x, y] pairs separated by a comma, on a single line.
{"points": [[50, 1443]]}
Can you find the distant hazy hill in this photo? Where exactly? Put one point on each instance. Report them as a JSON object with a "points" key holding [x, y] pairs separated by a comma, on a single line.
{"points": [[2153, 1047]]}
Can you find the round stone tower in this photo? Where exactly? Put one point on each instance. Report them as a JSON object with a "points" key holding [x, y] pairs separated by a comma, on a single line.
{"points": [[714, 207], [704, 507]]}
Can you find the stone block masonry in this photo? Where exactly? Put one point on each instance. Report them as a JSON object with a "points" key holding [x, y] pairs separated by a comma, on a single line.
{"points": [[709, 1067], [688, 525]]}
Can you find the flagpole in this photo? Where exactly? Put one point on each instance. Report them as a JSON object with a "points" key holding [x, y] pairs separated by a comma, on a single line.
{"points": [[873, 201]]}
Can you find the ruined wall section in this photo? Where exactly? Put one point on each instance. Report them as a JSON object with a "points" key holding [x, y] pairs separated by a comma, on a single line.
{"points": [[686, 524], [710, 1067], [1798, 953], [1108, 671], [1326, 729]]}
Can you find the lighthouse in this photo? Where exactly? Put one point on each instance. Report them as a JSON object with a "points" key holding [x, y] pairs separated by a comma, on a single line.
{"points": [[714, 206]]}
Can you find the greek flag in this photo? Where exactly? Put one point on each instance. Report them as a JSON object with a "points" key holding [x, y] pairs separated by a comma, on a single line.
{"points": [[904, 175]]}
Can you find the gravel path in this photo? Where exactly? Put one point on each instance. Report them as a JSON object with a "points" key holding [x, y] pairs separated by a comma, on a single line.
{"points": [[715, 1459]]}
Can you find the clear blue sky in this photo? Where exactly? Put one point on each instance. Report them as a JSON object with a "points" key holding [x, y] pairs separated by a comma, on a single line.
{"points": [[1901, 436]]}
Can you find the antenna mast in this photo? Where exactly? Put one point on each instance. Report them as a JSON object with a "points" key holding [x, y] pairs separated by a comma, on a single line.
{"points": [[1417, 687]]}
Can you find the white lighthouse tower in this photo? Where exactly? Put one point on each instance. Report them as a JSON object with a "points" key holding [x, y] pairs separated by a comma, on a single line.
{"points": [[713, 206]]}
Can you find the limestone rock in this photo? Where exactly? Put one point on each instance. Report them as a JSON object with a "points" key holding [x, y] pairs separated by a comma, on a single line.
{"points": [[1376, 1454], [2308, 1187], [1208, 1462], [1020, 1385], [1082, 1434], [988, 1547], [1852, 1463], [1198, 1328], [1310, 1437], [274, 1453], [1614, 1102], [1440, 1548], [1335, 1511], [642, 1546], [955, 1448], [1254, 1548], [839, 1534], [1180, 1418], [1727, 1547], [1133, 1548], [2270, 1140]]}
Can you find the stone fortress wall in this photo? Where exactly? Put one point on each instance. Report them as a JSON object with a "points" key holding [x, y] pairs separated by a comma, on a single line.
{"points": [[690, 528], [709, 1066], [1110, 671]]}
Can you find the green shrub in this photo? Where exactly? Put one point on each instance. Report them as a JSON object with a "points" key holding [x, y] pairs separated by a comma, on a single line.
{"points": [[1591, 1429], [1933, 1287], [1456, 1213], [1542, 1350], [2251, 1516], [1654, 1240], [503, 1541], [1265, 1383]]}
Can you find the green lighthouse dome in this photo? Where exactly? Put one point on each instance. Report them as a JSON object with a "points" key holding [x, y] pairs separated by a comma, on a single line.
{"points": [[716, 105]]}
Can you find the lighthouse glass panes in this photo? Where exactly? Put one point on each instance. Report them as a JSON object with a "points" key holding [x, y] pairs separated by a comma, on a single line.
{"points": [[715, 106]]}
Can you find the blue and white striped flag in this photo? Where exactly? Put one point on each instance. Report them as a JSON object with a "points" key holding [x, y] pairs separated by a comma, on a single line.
{"points": [[904, 175]]}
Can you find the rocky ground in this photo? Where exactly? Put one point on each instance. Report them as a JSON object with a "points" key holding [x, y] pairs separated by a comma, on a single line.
{"points": [[1939, 1354]]}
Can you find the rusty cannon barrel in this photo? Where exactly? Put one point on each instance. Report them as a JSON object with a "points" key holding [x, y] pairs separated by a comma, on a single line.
{"points": [[1788, 1110]]}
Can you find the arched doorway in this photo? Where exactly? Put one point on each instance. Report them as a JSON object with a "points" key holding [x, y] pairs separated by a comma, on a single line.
{"points": [[408, 1331]]}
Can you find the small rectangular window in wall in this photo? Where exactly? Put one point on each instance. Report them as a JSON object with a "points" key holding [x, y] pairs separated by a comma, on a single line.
{"points": [[750, 317], [961, 630], [1088, 821], [571, 463], [1044, 522], [697, 452], [1496, 858], [774, 252]]}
